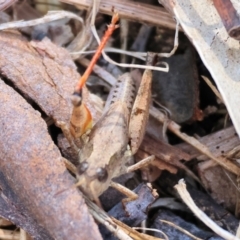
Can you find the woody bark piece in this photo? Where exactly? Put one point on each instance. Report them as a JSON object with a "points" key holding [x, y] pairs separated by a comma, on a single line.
{"points": [[167, 157], [164, 151], [133, 11], [35, 172], [229, 16]]}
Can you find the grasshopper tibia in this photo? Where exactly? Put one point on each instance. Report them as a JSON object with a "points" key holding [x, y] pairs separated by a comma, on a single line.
{"points": [[130, 194]]}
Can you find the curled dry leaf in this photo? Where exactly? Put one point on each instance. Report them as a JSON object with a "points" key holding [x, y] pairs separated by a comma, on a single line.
{"points": [[40, 71], [32, 167]]}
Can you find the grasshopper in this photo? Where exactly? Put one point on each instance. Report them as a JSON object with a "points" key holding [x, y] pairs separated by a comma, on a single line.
{"points": [[116, 137], [110, 145]]}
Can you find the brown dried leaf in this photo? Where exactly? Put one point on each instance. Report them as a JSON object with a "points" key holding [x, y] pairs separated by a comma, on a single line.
{"points": [[163, 150], [167, 157], [32, 167], [42, 71]]}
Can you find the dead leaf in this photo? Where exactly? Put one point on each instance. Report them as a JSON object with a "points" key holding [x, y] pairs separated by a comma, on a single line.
{"points": [[41, 71], [32, 167]]}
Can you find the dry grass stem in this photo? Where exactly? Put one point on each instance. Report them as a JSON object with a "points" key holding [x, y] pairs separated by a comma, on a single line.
{"points": [[181, 188], [104, 219], [49, 17], [124, 65], [153, 230], [181, 229], [214, 89], [139, 55], [133, 233]]}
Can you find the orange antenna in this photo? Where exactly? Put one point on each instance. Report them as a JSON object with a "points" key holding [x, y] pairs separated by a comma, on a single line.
{"points": [[97, 54]]}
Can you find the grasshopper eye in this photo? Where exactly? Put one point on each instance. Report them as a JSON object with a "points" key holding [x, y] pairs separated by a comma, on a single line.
{"points": [[82, 167], [102, 174]]}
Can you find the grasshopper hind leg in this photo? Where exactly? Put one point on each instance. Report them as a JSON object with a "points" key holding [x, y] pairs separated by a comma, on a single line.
{"points": [[131, 196]]}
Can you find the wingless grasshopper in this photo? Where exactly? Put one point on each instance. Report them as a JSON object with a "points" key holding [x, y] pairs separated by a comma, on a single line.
{"points": [[116, 137]]}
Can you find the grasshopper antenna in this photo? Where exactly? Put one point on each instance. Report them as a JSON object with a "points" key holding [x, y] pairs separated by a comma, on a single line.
{"points": [[80, 111], [111, 27]]}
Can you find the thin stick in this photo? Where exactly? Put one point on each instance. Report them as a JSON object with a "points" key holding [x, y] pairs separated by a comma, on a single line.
{"points": [[229, 16], [214, 89], [97, 54], [184, 194]]}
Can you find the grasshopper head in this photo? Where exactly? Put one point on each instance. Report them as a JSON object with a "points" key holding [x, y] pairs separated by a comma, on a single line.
{"points": [[93, 181]]}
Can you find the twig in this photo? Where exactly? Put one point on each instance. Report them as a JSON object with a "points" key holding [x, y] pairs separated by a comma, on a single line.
{"points": [[139, 55], [229, 16], [124, 31], [181, 188], [163, 69]]}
